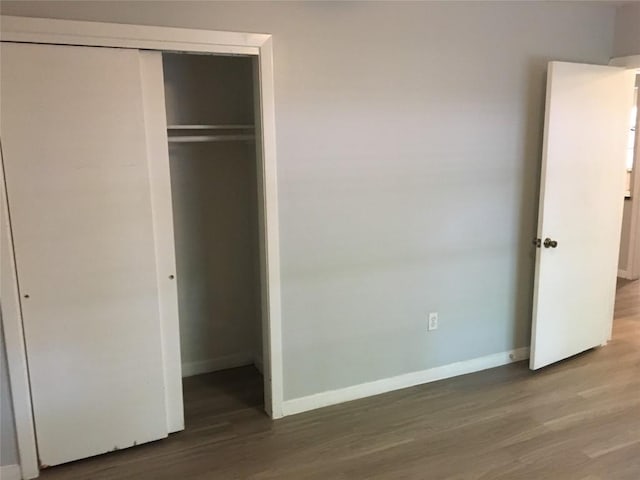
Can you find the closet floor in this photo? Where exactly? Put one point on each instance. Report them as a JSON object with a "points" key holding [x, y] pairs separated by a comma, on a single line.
{"points": [[576, 420], [219, 398]]}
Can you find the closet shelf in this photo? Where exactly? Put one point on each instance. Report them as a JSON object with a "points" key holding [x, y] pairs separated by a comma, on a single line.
{"points": [[194, 133], [209, 127], [210, 138]]}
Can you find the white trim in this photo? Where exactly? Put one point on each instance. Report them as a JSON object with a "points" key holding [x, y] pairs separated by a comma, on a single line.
{"points": [[271, 296], [70, 32], [258, 363], [65, 32], [624, 274], [10, 472], [14, 342], [355, 392], [630, 61], [198, 367]]}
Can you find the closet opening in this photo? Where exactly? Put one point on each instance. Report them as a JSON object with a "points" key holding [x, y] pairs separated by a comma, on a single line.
{"points": [[211, 108]]}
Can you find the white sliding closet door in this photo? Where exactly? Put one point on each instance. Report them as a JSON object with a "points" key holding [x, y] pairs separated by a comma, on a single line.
{"points": [[75, 154]]}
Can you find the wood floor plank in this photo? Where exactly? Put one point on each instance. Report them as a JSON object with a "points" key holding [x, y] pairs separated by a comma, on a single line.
{"points": [[575, 420]]}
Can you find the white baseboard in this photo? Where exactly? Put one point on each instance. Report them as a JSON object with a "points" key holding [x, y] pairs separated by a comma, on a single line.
{"points": [[214, 364], [624, 274], [10, 472], [355, 392], [257, 361]]}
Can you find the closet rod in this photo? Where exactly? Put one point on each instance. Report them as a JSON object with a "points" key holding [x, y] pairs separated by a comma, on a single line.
{"points": [[209, 127], [210, 138]]}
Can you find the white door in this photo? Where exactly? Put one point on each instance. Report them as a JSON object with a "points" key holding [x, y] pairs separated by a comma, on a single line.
{"points": [[581, 199], [75, 154]]}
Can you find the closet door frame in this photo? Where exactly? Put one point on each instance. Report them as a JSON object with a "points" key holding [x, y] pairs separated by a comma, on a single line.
{"points": [[164, 39]]}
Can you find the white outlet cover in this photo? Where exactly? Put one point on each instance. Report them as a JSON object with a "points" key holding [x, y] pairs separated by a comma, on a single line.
{"points": [[433, 321]]}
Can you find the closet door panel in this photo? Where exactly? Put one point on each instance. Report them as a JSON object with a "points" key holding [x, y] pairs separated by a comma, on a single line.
{"points": [[158, 155], [75, 153]]}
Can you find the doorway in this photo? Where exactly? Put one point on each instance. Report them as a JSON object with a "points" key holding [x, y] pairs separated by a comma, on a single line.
{"points": [[211, 110], [627, 305], [629, 259]]}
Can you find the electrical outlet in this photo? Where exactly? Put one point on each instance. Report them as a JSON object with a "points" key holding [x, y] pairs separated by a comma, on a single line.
{"points": [[433, 321]]}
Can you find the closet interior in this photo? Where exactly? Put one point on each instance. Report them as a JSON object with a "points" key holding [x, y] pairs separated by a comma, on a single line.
{"points": [[210, 112]]}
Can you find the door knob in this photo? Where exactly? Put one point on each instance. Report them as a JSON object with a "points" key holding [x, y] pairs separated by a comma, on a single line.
{"points": [[548, 243]]}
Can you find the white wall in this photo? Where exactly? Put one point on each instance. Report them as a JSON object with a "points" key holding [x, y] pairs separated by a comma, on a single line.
{"points": [[627, 30], [408, 143]]}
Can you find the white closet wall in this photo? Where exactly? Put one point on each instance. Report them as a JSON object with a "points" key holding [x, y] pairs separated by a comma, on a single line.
{"points": [[215, 213]]}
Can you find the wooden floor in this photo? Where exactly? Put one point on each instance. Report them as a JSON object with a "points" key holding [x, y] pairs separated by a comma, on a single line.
{"points": [[576, 420]]}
